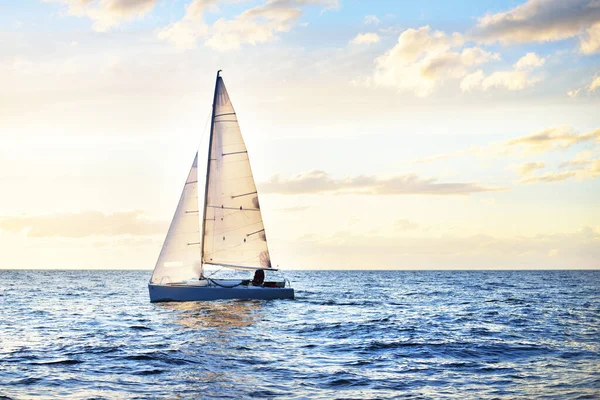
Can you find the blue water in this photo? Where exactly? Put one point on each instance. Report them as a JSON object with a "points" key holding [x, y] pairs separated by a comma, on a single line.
{"points": [[349, 334]]}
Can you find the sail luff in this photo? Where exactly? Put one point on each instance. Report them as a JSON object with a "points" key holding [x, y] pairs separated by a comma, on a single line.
{"points": [[210, 141]]}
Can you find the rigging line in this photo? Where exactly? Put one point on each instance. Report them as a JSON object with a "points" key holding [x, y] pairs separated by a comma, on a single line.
{"points": [[205, 125]]}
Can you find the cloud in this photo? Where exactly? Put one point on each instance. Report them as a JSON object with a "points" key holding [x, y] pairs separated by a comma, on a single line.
{"points": [[529, 60], [516, 79], [590, 41], [422, 58], [582, 158], [530, 167], [260, 24], [106, 14], [472, 81], [581, 167], [371, 19], [553, 138], [319, 182], [595, 84], [366, 38], [549, 177], [544, 21], [83, 224], [511, 80], [186, 32]]}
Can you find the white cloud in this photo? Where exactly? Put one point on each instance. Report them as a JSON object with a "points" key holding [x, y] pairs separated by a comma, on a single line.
{"points": [[371, 19], [366, 38], [472, 81], [107, 13], [511, 80], [529, 60], [590, 41], [573, 93], [185, 32], [319, 182], [595, 84], [582, 167], [422, 58], [544, 21], [553, 138], [549, 177], [530, 167], [583, 158], [516, 79], [260, 24]]}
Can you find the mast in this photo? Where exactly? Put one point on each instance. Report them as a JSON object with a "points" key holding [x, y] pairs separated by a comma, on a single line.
{"points": [[212, 125]]}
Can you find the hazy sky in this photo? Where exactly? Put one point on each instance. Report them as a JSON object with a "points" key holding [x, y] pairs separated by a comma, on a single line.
{"points": [[382, 134]]}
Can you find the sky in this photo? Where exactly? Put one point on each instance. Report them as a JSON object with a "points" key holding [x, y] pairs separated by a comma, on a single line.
{"points": [[382, 134]]}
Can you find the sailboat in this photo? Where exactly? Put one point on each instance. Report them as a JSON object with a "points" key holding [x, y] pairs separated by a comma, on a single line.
{"points": [[226, 230]]}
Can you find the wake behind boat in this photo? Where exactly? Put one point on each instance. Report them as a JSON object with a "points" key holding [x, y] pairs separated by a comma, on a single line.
{"points": [[231, 234]]}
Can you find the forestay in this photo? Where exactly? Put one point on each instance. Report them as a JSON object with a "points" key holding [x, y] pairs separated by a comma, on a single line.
{"points": [[180, 255], [234, 233]]}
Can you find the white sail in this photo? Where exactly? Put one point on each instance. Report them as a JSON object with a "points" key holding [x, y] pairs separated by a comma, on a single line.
{"points": [[234, 234], [179, 258]]}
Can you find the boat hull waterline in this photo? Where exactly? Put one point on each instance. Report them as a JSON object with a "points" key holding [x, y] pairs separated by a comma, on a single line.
{"points": [[164, 293]]}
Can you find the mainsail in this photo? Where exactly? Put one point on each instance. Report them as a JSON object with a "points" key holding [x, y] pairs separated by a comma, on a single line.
{"points": [[234, 234], [180, 255]]}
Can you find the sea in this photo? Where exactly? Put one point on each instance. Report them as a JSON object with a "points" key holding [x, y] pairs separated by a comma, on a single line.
{"points": [[347, 335]]}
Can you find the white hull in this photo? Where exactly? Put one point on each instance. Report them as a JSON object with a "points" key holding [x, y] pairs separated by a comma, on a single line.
{"points": [[195, 292]]}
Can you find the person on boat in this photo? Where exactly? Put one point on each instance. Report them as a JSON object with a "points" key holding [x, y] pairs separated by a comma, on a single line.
{"points": [[259, 277]]}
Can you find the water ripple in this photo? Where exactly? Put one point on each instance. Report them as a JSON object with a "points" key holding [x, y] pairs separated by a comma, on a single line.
{"points": [[348, 335]]}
